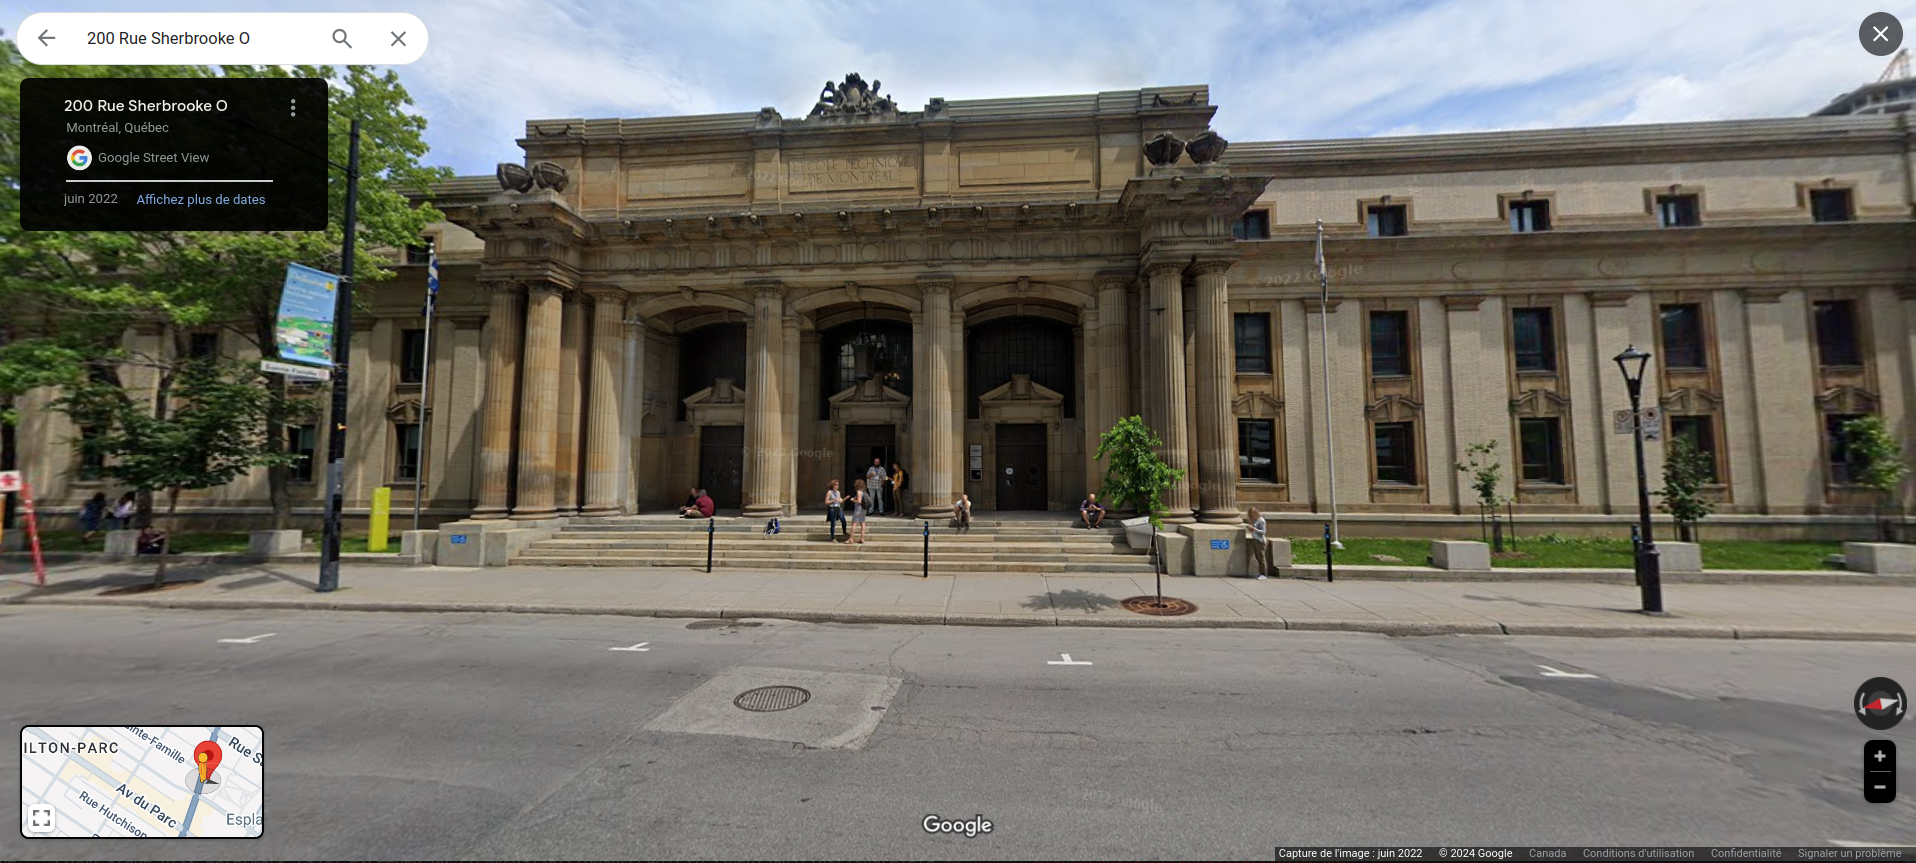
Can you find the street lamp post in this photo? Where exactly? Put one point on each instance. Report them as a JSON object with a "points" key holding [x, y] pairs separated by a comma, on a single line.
{"points": [[1648, 561]]}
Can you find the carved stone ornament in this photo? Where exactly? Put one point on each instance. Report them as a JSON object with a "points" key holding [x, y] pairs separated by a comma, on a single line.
{"points": [[1207, 147], [549, 175], [514, 178], [1164, 149], [852, 98]]}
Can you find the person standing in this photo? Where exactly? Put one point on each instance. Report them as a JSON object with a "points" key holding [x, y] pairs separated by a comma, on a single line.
{"points": [[835, 512], [92, 514], [1260, 550], [860, 497], [899, 505], [123, 512], [875, 486]]}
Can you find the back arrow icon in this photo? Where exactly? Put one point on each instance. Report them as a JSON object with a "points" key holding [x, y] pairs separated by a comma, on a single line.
{"points": [[44, 37]]}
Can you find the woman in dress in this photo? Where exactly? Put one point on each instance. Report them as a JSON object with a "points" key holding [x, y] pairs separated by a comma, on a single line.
{"points": [[92, 515], [859, 498]]}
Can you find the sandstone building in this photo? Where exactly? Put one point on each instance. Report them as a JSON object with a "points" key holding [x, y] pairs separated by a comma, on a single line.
{"points": [[758, 304]]}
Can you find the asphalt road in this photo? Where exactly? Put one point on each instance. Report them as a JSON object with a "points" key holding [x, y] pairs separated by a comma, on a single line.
{"points": [[526, 736]]}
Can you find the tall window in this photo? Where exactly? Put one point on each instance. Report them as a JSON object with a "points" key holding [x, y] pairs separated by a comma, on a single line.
{"points": [[1836, 341], [1253, 332], [202, 346], [1396, 453], [1831, 205], [1388, 220], [302, 442], [92, 463], [1678, 211], [1540, 440], [1256, 452], [420, 253], [707, 354], [1389, 343], [1534, 334], [406, 455], [1700, 431], [1683, 337], [412, 356], [1845, 465], [1254, 225], [1039, 347], [1527, 217]]}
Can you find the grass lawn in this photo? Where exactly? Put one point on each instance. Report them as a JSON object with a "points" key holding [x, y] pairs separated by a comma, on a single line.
{"points": [[1560, 552], [196, 543], [357, 545]]}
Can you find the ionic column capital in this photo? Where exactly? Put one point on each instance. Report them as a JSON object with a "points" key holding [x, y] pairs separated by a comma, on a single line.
{"points": [[1160, 269], [600, 294], [936, 283], [1212, 266], [766, 288], [1106, 280]]}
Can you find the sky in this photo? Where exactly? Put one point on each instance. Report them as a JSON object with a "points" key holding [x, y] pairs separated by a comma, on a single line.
{"points": [[1277, 70]]}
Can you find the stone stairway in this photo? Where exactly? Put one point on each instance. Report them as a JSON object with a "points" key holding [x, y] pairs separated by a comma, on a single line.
{"points": [[1026, 545]]}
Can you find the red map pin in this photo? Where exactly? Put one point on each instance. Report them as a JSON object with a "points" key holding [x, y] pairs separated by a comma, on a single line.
{"points": [[207, 756]]}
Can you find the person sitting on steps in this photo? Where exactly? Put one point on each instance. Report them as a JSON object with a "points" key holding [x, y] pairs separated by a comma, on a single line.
{"points": [[1090, 511], [961, 513], [702, 507]]}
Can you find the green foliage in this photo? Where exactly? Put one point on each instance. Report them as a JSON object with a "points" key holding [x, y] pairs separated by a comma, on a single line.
{"points": [[1486, 472], [1134, 475], [1686, 470], [1875, 454]]}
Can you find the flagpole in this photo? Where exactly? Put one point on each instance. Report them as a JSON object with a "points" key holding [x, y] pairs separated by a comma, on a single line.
{"points": [[425, 387], [1324, 341]]}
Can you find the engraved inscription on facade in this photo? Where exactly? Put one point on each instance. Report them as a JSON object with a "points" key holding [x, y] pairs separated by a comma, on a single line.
{"points": [[853, 172]]}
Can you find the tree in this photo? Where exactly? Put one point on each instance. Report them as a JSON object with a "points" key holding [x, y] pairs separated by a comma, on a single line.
{"points": [[1686, 470], [1135, 475], [1486, 472], [1876, 463], [207, 426]]}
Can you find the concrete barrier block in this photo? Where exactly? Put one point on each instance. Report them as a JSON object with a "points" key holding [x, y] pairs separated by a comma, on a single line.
{"points": [[1883, 558], [122, 543], [1217, 549], [1457, 554], [1176, 549], [421, 545], [1280, 554], [273, 543], [461, 546], [1679, 557]]}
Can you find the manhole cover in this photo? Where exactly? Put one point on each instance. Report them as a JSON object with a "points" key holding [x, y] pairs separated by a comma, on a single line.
{"points": [[767, 699], [1167, 607]]}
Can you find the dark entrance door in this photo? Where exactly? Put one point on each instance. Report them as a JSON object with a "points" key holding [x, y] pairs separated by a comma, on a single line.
{"points": [[1021, 467], [722, 464], [862, 444]]}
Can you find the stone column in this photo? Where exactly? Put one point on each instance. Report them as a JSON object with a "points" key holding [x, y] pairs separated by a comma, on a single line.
{"points": [[504, 327], [960, 405], [1217, 432], [567, 447], [788, 406], [764, 422], [1114, 386], [539, 399], [602, 408], [1168, 394], [937, 474]]}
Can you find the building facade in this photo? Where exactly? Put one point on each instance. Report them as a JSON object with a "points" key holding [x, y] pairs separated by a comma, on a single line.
{"points": [[976, 290]]}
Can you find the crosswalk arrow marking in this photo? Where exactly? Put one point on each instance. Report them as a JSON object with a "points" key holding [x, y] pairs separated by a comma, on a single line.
{"points": [[640, 647], [1552, 672], [1066, 661], [254, 640]]}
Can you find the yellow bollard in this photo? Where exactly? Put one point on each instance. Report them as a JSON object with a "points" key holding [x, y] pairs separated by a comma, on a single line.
{"points": [[382, 512]]}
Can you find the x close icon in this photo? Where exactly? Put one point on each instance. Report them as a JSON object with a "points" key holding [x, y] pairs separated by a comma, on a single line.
{"points": [[1881, 34], [399, 38]]}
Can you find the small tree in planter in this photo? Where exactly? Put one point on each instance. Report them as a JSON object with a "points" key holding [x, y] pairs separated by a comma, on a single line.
{"points": [[1876, 463], [206, 427], [1486, 472], [1134, 475], [1686, 470]]}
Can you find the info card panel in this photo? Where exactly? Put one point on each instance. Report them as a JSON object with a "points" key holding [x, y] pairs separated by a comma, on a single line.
{"points": [[142, 781]]}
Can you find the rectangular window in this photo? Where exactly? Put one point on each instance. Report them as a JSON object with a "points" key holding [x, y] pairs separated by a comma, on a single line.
{"points": [[1831, 205], [1389, 220], [412, 356], [1678, 211], [1253, 343], [406, 454], [1683, 337], [1700, 431], [1389, 344], [419, 254], [1256, 452], [1541, 442], [1844, 465], [1534, 334], [201, 346], [92, 464], [1529, 217], [1254, 225], [302, 442], [1396, 453], [1836, 333]]}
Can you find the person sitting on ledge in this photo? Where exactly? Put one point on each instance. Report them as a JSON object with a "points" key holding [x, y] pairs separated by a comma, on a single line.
{"points": [[150, 541], [700, 508], [1091, 511], [961, 513]]}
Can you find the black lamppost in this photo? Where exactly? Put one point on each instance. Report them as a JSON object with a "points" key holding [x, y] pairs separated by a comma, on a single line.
{"points": [[1649, 566]]}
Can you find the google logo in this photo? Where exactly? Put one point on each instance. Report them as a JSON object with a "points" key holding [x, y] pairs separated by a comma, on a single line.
{"points": [[79, 158]]}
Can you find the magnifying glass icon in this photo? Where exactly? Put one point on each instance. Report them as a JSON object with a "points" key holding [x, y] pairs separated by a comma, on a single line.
{"points": [[339, 38]]}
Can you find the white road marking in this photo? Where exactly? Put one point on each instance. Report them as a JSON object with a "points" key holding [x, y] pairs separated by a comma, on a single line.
{"points": [[640, 647], [254, 640], [1067, 661], [1552, 672]]}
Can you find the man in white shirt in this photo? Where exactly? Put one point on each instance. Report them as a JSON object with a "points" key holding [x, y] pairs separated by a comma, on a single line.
{"points": [[875, 477]]}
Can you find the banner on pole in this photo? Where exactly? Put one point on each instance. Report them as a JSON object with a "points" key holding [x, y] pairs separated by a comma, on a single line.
{"points": [[305, 324]]}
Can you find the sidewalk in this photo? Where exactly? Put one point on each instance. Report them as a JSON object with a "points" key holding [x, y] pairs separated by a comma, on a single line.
{"points": [[1393, 608]]}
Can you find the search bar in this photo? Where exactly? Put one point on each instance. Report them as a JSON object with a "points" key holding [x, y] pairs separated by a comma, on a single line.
{"points": [[204, 38]]}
